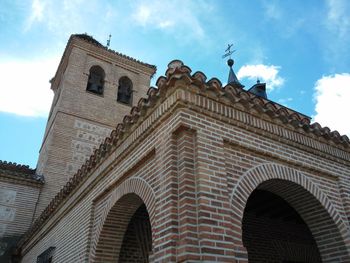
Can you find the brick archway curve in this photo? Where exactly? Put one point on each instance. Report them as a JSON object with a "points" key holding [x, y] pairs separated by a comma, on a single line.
{"points": [[255, 176], [135, 185]]}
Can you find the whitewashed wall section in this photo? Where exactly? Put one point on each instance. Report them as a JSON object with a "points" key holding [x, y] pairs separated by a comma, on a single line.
{"points": [[88, 138], [7, 211]]}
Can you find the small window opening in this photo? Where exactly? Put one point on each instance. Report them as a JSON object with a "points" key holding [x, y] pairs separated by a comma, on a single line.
{"points": [[125, 90], [46, 256], [96, 80]]}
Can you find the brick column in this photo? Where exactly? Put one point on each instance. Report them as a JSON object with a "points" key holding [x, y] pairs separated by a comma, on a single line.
{"points": [[188, 245], [214, 219], [165, 230], [194, 216]]}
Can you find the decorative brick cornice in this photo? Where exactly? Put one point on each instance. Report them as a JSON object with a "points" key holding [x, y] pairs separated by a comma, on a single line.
{"points": [[19, 172], [179, 76], [250, 102]]}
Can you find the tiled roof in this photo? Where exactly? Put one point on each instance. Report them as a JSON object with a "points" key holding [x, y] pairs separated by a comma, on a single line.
{"points": [[93, 41], [19, 171]]}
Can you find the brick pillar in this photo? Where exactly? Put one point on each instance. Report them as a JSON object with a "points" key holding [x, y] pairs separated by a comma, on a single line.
{"points": [[214, 219], [188, 245], [165, 230], [193, 213]]}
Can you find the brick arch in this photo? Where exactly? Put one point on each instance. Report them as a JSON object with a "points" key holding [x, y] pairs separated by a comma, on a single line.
{"points": [[272, 177], [133, 187], [92, 63]]}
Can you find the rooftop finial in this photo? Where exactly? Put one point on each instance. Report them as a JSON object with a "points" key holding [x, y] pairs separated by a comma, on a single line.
{"points": [[109, 40], [228, 51], [232, 78], [230, 62]]}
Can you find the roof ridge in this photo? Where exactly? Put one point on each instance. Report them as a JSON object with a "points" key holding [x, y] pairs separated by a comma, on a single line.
{"points": [[19, 171], [91, 40], [16, 167]]}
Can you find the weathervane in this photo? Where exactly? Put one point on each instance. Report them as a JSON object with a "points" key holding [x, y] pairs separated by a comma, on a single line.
{"points": [[228, 51], [109, 40]]}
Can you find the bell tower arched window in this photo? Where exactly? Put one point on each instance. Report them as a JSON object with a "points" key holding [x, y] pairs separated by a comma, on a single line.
{"points": [[96, 80], [125, 90]]}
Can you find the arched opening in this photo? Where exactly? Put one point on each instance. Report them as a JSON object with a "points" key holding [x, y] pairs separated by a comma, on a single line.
{"points": [[96, 80], [137, 242], [274, 232], [125, 91], [283, 222], [126, 234]]}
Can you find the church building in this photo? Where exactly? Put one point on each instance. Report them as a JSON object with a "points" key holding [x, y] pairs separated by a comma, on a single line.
{"points": [[189, 171]]}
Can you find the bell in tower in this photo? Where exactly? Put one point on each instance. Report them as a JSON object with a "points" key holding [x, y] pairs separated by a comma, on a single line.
{"points": [[96, 79], [125, 91]]}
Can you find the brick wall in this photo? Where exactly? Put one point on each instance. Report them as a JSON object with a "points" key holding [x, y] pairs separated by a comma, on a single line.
{"points": [[18, 199], [194, 159], [79, 121]]}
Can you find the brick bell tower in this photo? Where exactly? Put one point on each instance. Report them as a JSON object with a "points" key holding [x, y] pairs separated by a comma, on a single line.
{"points": [[94, 88]]}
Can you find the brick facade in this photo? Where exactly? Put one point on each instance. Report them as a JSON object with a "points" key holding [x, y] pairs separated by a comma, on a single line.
{"points": [[19, 192], [191, 155], [79, 120]]}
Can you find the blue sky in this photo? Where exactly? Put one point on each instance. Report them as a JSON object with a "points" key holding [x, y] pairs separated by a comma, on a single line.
{"points": [[299, 48]]}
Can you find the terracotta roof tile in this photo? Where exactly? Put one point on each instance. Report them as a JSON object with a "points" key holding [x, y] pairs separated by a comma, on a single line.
{"points": [[93, 41], [19, 171]]}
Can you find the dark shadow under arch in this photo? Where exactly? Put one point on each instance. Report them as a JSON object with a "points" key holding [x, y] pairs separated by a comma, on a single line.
{"points": [[323, 230], [126, 232], [137, 242], [274, 232], [294, 186]]}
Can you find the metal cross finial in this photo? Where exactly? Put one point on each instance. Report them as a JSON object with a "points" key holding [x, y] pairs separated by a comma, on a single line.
{"points": [[228, 51], [109, 40]]}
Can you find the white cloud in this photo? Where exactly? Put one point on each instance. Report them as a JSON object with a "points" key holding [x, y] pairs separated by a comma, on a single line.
{"points": [[25, 89], [336, 36], [265, 73], [172, 16], [272, 10], [67, 16], [36, 14], [143, 15], [182, 19], [332, 96], [338, 19], [286, 21]]}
